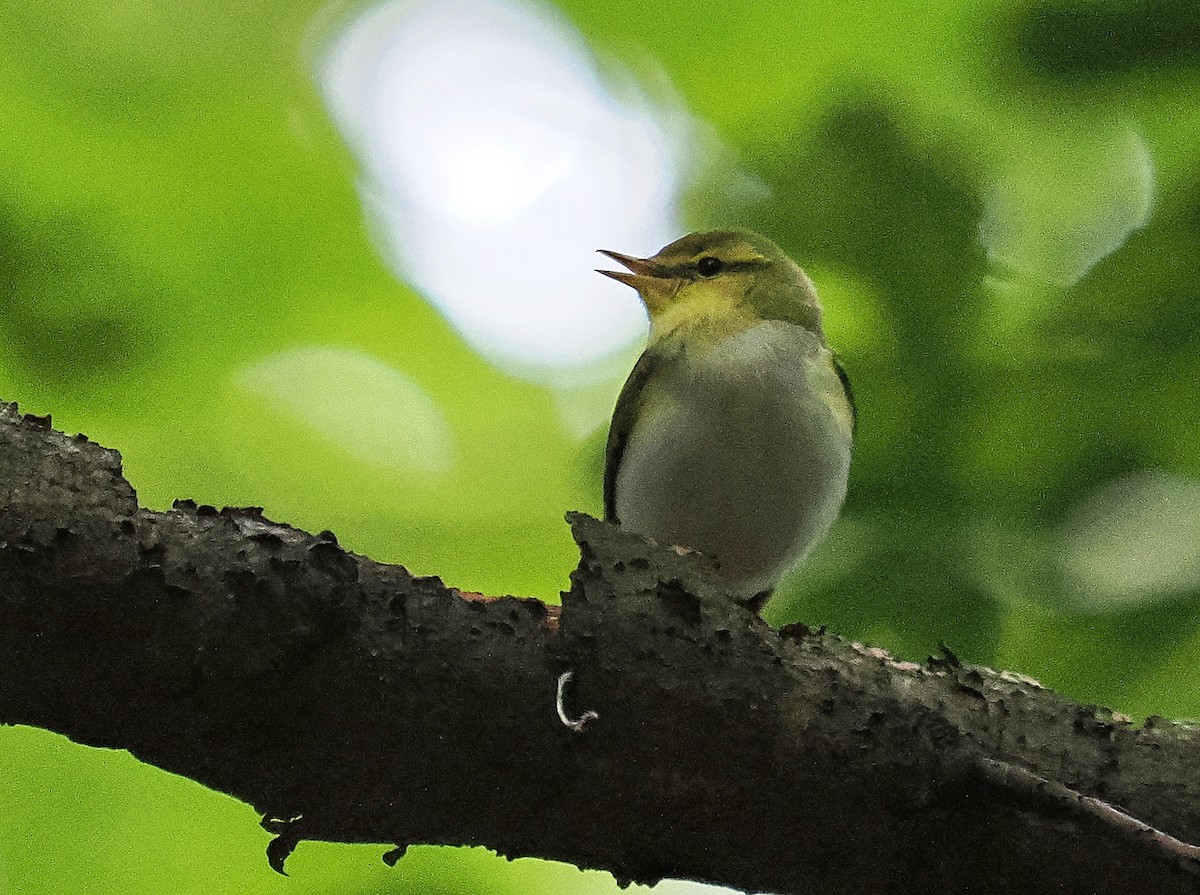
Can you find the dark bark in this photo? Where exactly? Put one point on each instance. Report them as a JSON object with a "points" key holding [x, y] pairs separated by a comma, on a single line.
{"points": [[349, 701]]}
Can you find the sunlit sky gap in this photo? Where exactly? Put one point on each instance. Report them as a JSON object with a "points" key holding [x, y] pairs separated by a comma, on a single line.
{"points": [[495, 159]]}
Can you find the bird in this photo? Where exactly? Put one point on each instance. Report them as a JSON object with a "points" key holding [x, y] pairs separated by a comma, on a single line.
{"points": [[733, 433]]}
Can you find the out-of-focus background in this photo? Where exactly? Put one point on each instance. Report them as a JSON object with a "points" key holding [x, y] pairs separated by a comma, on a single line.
{"points": [[336, 261]]}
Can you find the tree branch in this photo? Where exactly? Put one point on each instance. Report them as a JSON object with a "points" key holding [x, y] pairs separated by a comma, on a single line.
{"points": [[348, 701]]}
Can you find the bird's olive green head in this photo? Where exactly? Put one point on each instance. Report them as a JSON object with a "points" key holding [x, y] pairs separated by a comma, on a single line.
{"points": [[721, 274]]}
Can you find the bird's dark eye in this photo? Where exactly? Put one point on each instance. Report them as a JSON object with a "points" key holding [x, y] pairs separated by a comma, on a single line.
{"points": [[708, 266]]}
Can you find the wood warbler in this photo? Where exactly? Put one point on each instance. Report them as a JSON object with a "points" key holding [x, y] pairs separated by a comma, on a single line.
{"points": [[732, 435]]}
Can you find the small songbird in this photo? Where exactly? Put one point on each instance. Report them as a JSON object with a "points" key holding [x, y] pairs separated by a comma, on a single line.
{"points": [[732, 435]]}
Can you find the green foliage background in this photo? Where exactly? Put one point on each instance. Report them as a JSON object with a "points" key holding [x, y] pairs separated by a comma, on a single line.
{"points": [[175, 205]]}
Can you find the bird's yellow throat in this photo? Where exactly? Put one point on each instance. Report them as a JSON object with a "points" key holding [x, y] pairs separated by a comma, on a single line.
{"points": [[704, 316]]}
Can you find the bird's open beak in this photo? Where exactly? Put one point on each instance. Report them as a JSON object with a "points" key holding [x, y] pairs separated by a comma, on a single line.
{"points": [[642, 268], [652, 281]]}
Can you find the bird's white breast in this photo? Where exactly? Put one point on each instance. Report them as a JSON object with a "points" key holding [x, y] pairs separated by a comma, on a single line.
{"points": [[741, 451]]}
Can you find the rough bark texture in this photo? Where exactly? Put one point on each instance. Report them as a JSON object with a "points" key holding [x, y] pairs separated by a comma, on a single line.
{"points": [[349, 701]]}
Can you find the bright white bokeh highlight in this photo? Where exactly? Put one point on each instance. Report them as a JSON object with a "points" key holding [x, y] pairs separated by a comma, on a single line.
{"points": [[358, 403], [1062, 208], [1133, 540], [495, 159]]}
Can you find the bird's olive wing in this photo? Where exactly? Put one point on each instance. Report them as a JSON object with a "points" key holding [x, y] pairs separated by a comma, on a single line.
{"points": [[845, 378], [629, 404]]}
